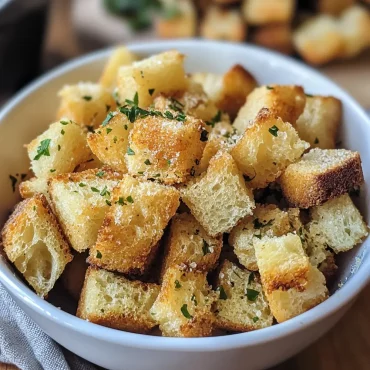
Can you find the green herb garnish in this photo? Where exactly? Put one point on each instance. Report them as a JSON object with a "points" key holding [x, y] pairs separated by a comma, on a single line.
{"points": [[98, 254], [108, 202], [269, 87], [100, 174], [62, 132], [214, 120], [52, 170], [108, 130], [205, 248], [274, 130], [252, 294], [147, 162], [223, 294], [130, 199], [193, 299], [81, 185], [95, 190], [43, 149], [255, 319], [130, 151], [104, 191], [87, 97], [185, 312], [109, 116], [151, 91], [177, 284], [64, 123]]}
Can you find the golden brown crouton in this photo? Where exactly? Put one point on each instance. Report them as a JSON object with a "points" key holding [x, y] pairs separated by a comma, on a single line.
{"points": [[282, 262], [321, 175], [35, 244], [319, 122], [85, 103], [184, 306], [59, 149], [284, 101], [223, 24], [337, 224], [189, 245], [257, 12], [110, 141], [133, 225], [34, 186], [267, 220], [112, 300], [219, 198], [242, 305], [266, 149], [165, 149], [80, 201], [120, 56], [161, 73], [285, 304], [318, 40]]}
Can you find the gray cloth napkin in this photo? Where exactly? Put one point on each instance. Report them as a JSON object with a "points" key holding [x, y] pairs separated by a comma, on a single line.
{"points": [[24, 344]]}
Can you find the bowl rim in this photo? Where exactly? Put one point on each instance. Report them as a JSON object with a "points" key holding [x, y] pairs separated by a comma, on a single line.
{"points": [[342, 297]]}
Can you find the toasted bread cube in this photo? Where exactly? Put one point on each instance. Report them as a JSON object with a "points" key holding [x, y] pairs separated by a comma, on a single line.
{"points": [[282, 262], [219, 198], [161, 73], [85, 103], [321, 175], [285, 304], [333, 7], [257, 12], [223, 24], [35, 244], [189, 245], [210, 150], [267, 148], [183, 23], [337, 224], [354, 25], [112, 300], [315, 249], [133, 225], [110, 141], [193, 101], [242, 305], [318, 40], [91, 164], [267, 220], [228, 91], [80, 201], [59, 149], [275, 36], [34, 186], [320, 121], [165, 149], [284, 101], [184, 305], [120, 56]]}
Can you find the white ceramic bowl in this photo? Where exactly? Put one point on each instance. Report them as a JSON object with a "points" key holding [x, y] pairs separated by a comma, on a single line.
{"points": [[29, 113]]}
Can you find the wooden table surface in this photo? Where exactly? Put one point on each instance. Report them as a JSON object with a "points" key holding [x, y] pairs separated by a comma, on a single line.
{"points": [[347, 345]]}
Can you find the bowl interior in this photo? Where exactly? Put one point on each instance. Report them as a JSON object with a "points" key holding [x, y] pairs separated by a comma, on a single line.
{"points": [[30, 112]]}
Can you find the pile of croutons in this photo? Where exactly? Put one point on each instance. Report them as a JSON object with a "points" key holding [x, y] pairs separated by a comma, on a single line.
{"points": [[204, 203]]}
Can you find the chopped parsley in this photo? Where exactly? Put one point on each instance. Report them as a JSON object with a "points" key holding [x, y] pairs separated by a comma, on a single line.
{"points": [[130, 151], [62, 132], [214, 120], [98, 254], [151, 91], [130, 199], [120, 201], [95, 190], [185, 312], [223, 294], [64, 123], [255, 319], [104, 191], [43, 149], [87, 97], [205, 248], [115, 139], [52, 170], [252, 294], [269, 87], [81, 185], [176, 105], [168, 114], [193, 299], [177, 284], [169, 162], [147, 162], [126, 127], [141, 172], [108, 202], [14, 181], [274, 130], [309, 95], [251, 277], [100, 174], [259, 236], [204, 135], [109, 116], [108, 130], [316, 141], [59, 147]]}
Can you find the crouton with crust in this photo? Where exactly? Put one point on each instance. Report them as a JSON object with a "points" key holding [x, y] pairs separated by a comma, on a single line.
{"points": [[34, 186]]}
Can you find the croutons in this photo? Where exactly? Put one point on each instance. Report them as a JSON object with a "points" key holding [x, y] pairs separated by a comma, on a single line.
{"points": [[110, 141], [85, 103], [285, 304], [321, 175], [59, 149], [80, 201], [267, 220], [282, 262], [354, 25], [228, 91], [257, 12], [120, 56], [133, 225], [35, 244], [161, 73], [318, 40], [337, 224], [320, 121], [219, 198], [114, 301], [184, 306], [189, 245], [284, 101], [165, 149], [34, 186], [179, 19], [242, 305], [266, 149]]}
